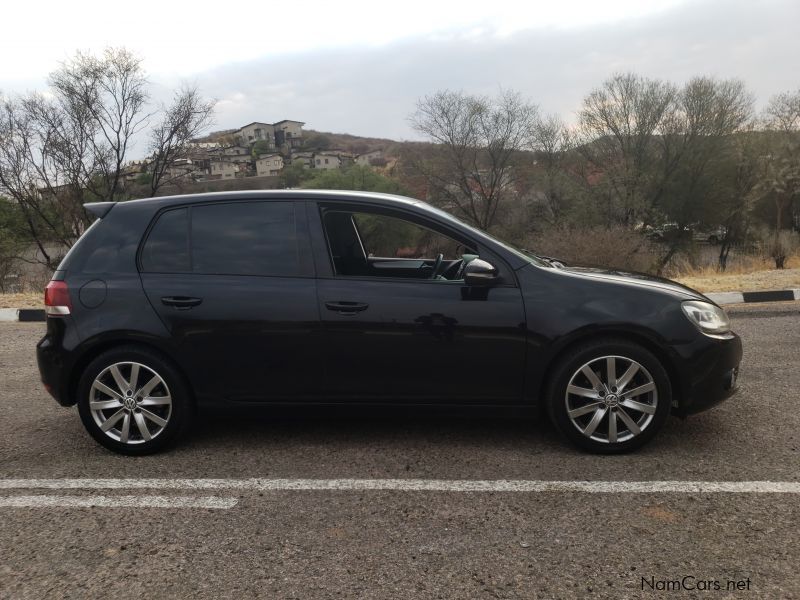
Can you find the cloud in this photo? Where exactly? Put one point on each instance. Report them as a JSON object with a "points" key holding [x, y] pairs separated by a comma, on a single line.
{"points": [[372, 90]]}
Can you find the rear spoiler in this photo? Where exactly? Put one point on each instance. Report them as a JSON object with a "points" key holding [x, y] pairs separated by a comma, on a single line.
{"points": [[99, 209]]}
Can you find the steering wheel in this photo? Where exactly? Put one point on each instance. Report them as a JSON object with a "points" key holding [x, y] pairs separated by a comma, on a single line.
{"points": [[460, 272], [437, 266]]}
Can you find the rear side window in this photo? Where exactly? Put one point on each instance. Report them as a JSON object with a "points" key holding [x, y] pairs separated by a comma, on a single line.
{"points": [[245, 238], [241, 238], [167, 246]]}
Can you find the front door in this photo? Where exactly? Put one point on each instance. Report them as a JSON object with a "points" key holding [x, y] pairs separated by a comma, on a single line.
{"points": [[400, 324]]}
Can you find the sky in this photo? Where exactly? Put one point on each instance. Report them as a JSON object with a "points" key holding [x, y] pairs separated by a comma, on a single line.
{"points": [[360, 67]]}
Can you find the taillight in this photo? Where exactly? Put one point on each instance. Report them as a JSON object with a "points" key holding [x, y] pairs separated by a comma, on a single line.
{"points": [[56, 299]]}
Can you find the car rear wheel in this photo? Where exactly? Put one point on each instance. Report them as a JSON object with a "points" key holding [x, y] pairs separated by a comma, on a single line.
{"points": [[609, 396], [132, 401]]}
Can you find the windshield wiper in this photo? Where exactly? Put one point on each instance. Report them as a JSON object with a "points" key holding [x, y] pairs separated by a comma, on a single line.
{"points": [[553, 262]]}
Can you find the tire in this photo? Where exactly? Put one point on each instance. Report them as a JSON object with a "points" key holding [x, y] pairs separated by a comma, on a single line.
{"points": [[585, 419], [137, 421]]}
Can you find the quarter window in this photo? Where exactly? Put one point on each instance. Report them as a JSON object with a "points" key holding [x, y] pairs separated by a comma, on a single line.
{"points": [[167, 246]]}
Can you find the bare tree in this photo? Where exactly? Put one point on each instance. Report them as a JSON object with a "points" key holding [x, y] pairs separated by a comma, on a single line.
{"points": [[188, 116], [782, 163], [695, 150], [41, 169], [110, 93], [553, 173], [625, 163], [479, 140], [60, 150]]}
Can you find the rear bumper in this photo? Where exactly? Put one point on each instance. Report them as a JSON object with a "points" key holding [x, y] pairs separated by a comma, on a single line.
{"points": [[714, 374], [54, 364]]}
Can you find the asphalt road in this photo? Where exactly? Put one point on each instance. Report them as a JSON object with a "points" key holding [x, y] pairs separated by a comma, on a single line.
{"points": [[399, 543]]}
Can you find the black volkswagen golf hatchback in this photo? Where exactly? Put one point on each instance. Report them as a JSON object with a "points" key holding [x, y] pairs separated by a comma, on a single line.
{"points": [[289, 297]]}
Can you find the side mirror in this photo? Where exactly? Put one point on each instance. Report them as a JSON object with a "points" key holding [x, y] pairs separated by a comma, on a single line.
{"points": [[480, 273]]}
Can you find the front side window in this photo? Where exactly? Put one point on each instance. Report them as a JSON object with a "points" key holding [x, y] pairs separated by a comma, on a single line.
{"points": [[390, 237], [379, 245]]}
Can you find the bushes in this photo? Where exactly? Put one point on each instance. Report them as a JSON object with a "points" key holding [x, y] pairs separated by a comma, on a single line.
{"points": [[614, 247]]}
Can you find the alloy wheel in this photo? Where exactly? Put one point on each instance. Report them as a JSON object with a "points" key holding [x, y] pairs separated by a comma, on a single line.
{"points": [[130, 402], [611, 399]]}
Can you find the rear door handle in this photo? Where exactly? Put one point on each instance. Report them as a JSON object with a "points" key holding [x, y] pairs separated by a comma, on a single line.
{"points": [[180, 302], [346, 308]]}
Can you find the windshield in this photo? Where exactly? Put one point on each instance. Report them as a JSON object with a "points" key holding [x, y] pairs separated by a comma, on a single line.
{"points": [[526, 255]]}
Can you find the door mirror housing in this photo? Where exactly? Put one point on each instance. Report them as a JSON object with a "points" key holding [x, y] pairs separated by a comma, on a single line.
{"points": [[480, 273]]}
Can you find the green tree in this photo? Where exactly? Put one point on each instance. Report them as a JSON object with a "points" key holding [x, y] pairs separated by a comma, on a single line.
{"points": [[294, 175], [355, 177], [261, 147]]}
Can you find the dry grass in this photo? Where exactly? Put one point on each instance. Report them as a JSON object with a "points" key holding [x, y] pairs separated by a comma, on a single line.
{"points": [[747, 274], [784, 279], [24, 300]]}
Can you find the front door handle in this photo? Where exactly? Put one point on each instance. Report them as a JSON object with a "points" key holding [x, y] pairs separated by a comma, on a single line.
{"points": [[346, 308], [180, 302]]}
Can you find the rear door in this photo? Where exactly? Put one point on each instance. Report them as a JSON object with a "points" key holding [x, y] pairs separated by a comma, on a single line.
{"points": [[233, 283]]}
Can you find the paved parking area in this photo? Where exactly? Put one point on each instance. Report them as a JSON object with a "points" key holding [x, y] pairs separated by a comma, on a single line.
{"points": [[407, 506]]}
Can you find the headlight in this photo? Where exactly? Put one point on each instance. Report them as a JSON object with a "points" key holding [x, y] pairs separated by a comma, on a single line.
{"points": [[709, 319]]}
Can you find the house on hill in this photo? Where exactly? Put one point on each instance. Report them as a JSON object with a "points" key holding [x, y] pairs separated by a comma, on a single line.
{"points": [[327, 160], [365, 160], [288, 134], [223, 169], [332, 159], [269, 164], [284, 135], [256, 132]]}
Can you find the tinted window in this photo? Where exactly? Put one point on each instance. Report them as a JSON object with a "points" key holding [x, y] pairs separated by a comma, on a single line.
{"points": [[245, 238], [390, 237], [167, 246]]}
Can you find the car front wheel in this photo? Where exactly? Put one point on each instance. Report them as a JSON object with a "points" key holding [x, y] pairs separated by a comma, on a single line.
{"points": [[609, 396]]}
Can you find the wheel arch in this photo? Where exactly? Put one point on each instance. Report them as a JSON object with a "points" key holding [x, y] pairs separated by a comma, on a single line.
{"points": [[98, 347], [648, 342]]}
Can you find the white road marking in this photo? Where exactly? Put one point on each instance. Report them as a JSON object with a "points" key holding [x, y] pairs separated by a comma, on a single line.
{"points": [[116, 502], [421, 485]]}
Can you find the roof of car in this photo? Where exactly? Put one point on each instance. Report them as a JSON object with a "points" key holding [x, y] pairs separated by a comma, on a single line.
{"points": [[373, 197]]}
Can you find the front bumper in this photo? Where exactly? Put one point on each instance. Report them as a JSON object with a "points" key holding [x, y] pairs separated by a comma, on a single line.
{"points": [[713, 373]]}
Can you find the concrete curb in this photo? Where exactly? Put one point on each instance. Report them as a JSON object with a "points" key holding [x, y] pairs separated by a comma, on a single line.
{"points": [[743, 297], [24, 315], [38, 315]]}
